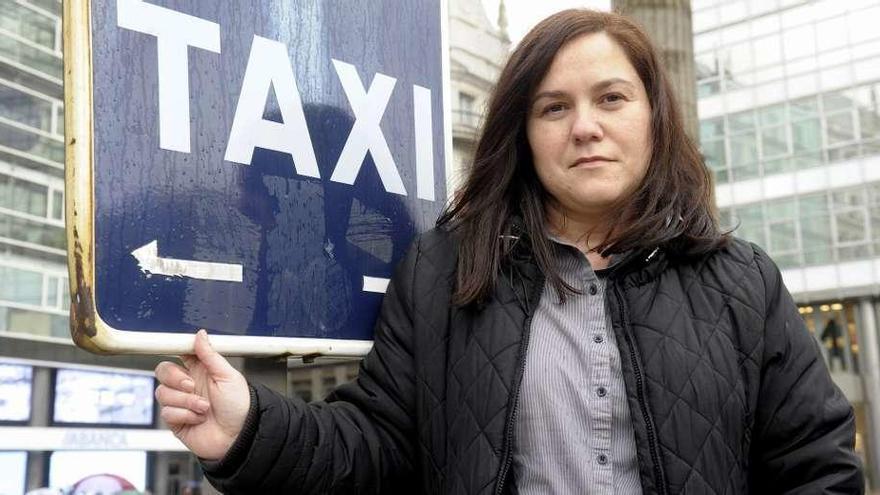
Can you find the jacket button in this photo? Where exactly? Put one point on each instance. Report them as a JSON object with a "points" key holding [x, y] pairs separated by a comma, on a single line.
{"points": [[602, 459], [598, 339], [593, 289], [601, 392]]}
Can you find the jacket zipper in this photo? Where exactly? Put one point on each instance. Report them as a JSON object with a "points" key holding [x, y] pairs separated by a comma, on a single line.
{"points": [[508, 434], [640, 389]]}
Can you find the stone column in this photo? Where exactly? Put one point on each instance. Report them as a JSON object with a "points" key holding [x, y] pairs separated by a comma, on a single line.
{"points": [[870, 370], [668, 23]]}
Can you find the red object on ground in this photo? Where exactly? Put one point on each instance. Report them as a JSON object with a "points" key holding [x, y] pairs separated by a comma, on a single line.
{"points": [[102, 483]]}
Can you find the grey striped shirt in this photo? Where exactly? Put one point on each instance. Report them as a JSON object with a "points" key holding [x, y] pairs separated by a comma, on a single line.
{"points": [[573, 429]]}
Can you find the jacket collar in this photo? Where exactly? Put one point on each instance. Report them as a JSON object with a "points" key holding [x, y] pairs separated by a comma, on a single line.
{"points": [[641, 266], [647, 262]]}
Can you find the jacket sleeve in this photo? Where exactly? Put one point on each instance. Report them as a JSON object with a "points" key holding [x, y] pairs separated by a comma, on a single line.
{"points": [[804, 427], [361, 440]]}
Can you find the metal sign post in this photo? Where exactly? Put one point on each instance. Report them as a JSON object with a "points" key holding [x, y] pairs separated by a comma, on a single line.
{"points": [[253, 168]]}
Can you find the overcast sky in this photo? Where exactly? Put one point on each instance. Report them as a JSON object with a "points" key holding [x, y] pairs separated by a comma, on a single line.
{"points": [[523, 14]]}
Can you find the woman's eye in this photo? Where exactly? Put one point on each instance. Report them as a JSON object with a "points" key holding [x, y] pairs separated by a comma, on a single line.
{"points": [[553, 108], [613, 98]]}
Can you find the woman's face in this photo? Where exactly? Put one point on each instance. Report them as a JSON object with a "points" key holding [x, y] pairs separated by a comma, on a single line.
{"points": [[589, 126]]}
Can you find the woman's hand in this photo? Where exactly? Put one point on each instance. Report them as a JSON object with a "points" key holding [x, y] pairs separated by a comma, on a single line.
{"points": [[204, 404]]}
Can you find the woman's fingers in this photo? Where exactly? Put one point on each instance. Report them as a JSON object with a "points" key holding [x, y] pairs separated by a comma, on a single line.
{"points": [[204, 356], [176, 417], [168, 396], [217, 365], [189, 360], [174, 376]]}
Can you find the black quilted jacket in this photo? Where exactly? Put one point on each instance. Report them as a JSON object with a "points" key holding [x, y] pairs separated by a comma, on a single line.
{"points": [[728, 392]]}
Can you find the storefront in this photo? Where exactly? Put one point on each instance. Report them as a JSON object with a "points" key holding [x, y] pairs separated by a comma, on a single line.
{"points": [[837, 327], [62, 424]]}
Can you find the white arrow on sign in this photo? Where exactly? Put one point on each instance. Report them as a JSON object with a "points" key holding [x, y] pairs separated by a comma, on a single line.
{"points": [[150, 262], [375, 284]]}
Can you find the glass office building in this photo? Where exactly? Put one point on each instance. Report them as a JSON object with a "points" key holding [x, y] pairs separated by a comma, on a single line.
{"points": [[33, 266], [789, 107]]}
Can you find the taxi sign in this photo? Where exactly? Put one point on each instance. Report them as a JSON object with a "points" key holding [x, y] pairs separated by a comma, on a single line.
{"points": [[253, 168]]}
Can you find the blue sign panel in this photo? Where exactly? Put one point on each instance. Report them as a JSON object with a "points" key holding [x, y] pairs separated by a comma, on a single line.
{"points": [[260, 167]]}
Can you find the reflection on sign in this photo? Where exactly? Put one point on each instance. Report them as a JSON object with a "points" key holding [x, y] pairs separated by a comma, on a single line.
{"points": [[15, 392], [103, 398]]}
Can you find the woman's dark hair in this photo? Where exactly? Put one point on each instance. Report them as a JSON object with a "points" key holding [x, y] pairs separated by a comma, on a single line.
{"points": [[673, 207]]}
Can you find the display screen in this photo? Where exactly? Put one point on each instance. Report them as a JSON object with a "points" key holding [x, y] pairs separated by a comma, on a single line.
{"points": [[15, 392], [89, 472], [13, 466], [97, 397]]}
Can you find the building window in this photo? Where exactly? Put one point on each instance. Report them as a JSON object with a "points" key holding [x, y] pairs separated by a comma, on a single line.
{"points": [[813, 229], [15, 393], [51, 6], [768, 50], [782, 226], [712, 144], [29, 198], [744, 156], [850, 224], [26, 197], [25, 108], [34, 56], [466, 114], [774, 139], [57, 205], [25, 213], [840, 128], [466, 102], [29, 23], [21, 286], [751, 223], [795, 135], [874, 215], [815, 222]]}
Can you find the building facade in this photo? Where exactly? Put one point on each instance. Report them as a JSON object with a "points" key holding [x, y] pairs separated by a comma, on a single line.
{"points": [[789, 109], [33, 263], [477, 51]]}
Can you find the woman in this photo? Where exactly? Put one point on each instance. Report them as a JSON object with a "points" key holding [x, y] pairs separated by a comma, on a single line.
{"points": [[577, 323]]}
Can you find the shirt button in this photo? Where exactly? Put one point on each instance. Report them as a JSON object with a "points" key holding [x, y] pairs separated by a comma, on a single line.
{"points": [[593, 289], [602, 459], [598, 339], [601, 392]]}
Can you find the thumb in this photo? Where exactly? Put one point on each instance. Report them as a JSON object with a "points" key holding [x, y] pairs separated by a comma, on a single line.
{"points": [[217, 365]]}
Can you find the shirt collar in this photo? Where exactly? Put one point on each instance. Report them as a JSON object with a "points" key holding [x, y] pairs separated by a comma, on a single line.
{"points": [[568, 246]]}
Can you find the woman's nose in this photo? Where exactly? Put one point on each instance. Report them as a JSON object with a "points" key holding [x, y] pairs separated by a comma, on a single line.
{"points": [[586, 127]]}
